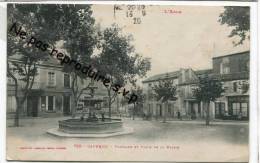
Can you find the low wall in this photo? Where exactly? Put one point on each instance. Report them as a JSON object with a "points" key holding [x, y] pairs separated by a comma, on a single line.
{"points": [[75, 126]]}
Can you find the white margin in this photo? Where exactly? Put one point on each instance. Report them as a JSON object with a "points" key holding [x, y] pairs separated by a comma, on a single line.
{"points": [[254, 67], [3, 81]]}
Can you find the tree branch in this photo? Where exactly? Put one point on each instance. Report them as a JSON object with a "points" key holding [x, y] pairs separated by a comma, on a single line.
{"points": [[113, 98], [9, 73], [82, 90]]}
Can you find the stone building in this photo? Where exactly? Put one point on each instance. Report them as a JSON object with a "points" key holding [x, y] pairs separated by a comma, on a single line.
{"points": [[154, 108], [185, 80], [51, 93], [188, 79], [232, 70]]}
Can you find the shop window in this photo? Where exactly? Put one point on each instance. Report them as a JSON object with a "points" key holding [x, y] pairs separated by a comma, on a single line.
{"points": [[244, 109], [235, 108], [219, 108]]}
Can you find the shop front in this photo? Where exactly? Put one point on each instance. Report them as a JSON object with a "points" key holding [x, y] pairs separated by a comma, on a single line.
{"points": [[238, 107]]}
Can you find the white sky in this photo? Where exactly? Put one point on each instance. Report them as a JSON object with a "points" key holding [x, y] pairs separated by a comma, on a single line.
{"points": [[174, 41]]}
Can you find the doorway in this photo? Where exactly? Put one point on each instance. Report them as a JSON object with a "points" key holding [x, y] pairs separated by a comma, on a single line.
{"points": [[50, 103], [32, 106], [66, 105]]}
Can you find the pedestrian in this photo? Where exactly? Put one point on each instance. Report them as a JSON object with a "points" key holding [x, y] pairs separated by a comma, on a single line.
{"points": [[179, 115], [103, 116]]}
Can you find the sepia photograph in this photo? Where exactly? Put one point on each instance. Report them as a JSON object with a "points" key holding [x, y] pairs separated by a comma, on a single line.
{"points": [[125, 82]]}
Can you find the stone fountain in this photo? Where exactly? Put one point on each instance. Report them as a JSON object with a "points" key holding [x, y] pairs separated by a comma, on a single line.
{"points": [[92, 125]]}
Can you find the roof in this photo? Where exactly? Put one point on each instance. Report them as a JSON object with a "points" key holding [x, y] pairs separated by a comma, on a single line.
{"points": [[174, 74], [49, 62], [239, 53], [157, 77], [198, 73], [202, 72]]}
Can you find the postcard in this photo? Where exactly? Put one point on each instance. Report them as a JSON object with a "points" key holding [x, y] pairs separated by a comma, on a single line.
{"points": [[128, 82]]}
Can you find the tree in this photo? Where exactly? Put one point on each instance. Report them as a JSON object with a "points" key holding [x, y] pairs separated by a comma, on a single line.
{"points": [[72, 24], [165, 91], [118, 60], [239, 18], [23, 72], [80, 40], [208, 90]]}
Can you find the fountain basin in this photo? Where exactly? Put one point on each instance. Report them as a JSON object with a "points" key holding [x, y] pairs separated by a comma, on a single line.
{"points": [[76, 126]]}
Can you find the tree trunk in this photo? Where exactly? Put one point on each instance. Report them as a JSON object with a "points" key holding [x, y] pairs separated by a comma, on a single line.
{"points": [[156, 114], [17, 112], [134, 112], [117, 104], [74, 88], [207, 113], [109, 103], [165, 110], [19, 104], [73, 110]]}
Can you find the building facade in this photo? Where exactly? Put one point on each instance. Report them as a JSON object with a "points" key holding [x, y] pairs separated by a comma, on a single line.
{"points": [[191, 108], [186, 105], [232, 70], [51, 93], [152, 107]]}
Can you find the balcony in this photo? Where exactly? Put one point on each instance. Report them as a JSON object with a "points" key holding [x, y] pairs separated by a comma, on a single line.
{"points": [[232, 76]]}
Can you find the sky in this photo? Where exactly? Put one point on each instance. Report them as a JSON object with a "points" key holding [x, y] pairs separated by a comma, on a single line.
{"points": [[186, 39]]}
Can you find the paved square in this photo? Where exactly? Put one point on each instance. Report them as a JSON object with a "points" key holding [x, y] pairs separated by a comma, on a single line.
{"points": [[179, 141]]}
